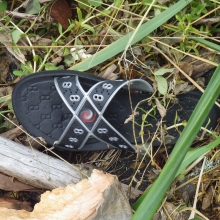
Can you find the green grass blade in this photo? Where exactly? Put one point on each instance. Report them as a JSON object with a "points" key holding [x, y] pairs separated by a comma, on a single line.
{"points": [[194, 154], [119, 45], [151, 200], [5, 98], [208, 44]]}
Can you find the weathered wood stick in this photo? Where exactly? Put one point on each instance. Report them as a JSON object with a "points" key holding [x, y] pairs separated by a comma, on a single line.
{"points": [[36, 168]]}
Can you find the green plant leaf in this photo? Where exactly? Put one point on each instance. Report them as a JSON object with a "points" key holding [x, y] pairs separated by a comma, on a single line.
{"points": [[10, 105], [36, 58], [66, 51], [16, 36], [117, 3], [146, 1], [160, 72], [83, 4], [33, 7], [194, 154], [18, 73], [71, 26], [50, 66], [5, 98], [69, 60], [88, 27], [60, 29], [27, 68], [207, 43], [162, 84], [3, 6], [106, 12], [79, 14], [95, 3]]}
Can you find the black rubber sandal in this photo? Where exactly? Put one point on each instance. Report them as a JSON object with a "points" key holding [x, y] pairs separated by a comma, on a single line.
{"points": [[79, 111]]}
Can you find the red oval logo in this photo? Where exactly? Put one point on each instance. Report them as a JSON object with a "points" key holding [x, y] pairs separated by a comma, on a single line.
{"points": [[88, 115]]}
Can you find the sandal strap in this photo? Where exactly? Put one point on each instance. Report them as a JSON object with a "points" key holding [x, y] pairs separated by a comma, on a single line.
{"points": [[88, 109]]}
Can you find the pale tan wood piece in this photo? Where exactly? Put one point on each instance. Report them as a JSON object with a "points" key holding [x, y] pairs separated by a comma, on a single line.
{"points": [[98, 198]]}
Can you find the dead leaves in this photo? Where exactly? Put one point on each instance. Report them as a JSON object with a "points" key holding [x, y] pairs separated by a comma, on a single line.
{"points": [[186, 67], [61, 12], [8, 183], [160, 108], [131, 117], [10, 203], [5, 38], [208, 198], [109, 72], [13, 133], [183, 88], [198, 68]]}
